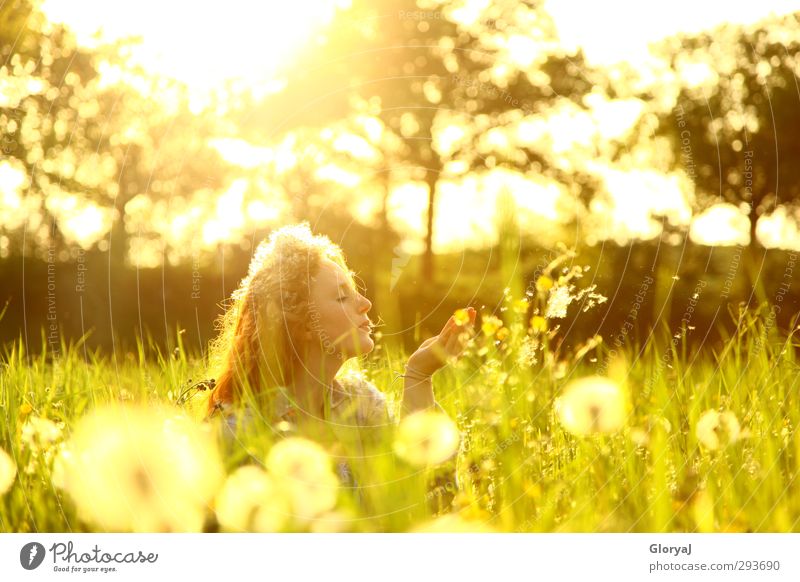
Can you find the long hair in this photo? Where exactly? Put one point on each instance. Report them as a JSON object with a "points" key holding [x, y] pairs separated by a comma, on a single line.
{"points": [[261, 333]]}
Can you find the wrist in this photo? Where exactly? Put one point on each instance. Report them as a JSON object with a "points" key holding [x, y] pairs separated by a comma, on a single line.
{"points": [[415, 374]]}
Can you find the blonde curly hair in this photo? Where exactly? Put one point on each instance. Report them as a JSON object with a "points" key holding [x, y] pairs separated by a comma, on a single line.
{"points": [[261, 333]]}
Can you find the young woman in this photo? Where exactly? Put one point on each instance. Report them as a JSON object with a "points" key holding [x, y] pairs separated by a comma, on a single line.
{"points": [[295, 319]]}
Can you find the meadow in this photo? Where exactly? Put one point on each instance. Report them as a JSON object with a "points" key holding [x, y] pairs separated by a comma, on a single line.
{"points": [[650, 436]]}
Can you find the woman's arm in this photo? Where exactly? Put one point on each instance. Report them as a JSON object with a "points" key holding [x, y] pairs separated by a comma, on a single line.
{"points": [[432, 355], [417, 393]]}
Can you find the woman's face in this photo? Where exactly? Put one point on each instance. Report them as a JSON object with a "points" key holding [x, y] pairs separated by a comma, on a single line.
{"points": [[338, 313]]}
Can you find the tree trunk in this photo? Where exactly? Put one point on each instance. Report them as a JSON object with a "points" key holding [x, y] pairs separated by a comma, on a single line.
{"points": [[427, 260]]}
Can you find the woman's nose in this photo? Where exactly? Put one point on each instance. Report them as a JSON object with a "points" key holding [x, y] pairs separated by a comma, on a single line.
{"points": [[366, 304]]}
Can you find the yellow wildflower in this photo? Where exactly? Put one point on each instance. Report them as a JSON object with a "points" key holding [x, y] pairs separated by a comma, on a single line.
{"points": [[491, 324], [538, 324], [702, 510], [543, 284], [521, 306], [461, 317]]}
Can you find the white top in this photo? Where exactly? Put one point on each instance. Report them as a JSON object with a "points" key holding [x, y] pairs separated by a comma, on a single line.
{"points": [[356, 404]]}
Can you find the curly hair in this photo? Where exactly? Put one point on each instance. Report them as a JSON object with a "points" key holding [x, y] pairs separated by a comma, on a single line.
{"points": [[261, 333]]}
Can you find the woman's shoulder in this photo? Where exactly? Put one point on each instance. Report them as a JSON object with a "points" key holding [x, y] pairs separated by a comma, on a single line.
{"points": [[370, 403]]}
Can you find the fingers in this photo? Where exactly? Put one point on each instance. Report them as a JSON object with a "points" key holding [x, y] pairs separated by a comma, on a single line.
{"points": [[453, 346], [428, 341], [457, 336], [453, 337]]}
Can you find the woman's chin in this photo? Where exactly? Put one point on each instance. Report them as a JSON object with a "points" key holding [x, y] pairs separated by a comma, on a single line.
{"points": [[362, 346]]}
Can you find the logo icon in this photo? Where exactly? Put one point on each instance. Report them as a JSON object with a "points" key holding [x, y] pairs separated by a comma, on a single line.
{"points": [[31, 555]]}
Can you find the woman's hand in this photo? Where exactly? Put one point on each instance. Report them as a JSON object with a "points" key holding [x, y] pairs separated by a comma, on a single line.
{"points": [[435, 352]]}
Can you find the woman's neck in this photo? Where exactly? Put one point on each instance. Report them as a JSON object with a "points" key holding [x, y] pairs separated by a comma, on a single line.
{"points": [[312, 379]]}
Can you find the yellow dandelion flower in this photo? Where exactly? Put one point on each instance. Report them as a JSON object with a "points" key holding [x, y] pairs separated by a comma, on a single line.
{"points": [[142, 469], [490, 325], [532, 489], [461, 317], [250, 500], [592, 405], [25, 409], [521, 306], [453, 523], [544, 284], [712, 425], [502, 333], [538, 324], [303, 469], [8, 472], [426, 437]]}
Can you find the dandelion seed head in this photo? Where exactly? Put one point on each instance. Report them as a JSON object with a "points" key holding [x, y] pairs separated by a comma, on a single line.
{"points": [[141, 469], [38, 432], [62, 466], [557, 303], [333, 522], [426, 437], [594, 404], [528, 351], [304, 470], [8, 472], [250, 500], [716, 430], [639, 437]]}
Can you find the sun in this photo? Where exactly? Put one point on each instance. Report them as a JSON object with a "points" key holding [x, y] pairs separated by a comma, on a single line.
{"points": [[243, 45]]}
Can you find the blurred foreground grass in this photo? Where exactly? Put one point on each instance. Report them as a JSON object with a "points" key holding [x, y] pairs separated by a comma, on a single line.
{"points": [[671, 440]]}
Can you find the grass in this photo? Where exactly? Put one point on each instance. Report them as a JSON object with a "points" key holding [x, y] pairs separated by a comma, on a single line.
{"points": [[518, 469]]}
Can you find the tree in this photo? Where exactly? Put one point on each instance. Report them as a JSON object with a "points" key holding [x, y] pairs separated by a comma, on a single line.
{"points": [[42, 119], [82, 142], [413, 65], [732, 132]]}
